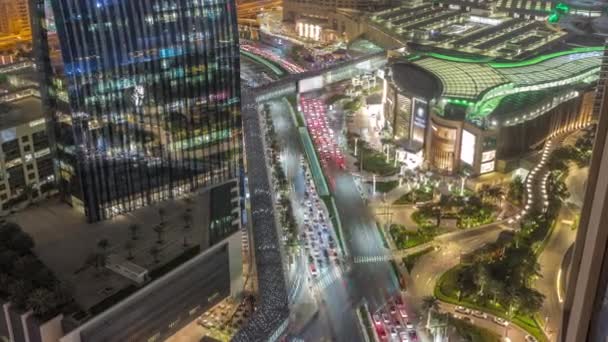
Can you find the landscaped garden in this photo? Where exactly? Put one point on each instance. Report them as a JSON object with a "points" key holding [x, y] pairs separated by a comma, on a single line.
{"points": [[404, 238], [385, 187], [371, 160], [421, 194], [24, 279], [500, 278], [469, 212]]}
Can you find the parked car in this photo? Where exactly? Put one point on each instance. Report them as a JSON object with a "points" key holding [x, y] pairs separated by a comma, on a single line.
{"points": [[500, 321], [463, 310], [480, 314]]}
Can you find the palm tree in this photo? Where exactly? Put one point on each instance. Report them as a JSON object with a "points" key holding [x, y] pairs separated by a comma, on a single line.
{"points": [[134, 228], [187, 217], [159, 229], [154, 251], [41, 301], [484, 191], [129, 246], [161, 213]]}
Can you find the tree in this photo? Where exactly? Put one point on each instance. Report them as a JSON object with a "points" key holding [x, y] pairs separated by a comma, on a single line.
{"points": [[18, 292], [160, 230], [482, 277], [484, 190], [129, 246], [103, 246], [134, 229], [530, 301], [154, 252], [41, 301], [161, 214], [515, 193], [21, 242]]}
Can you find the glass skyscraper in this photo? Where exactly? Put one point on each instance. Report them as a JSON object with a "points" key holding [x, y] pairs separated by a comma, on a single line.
{"points": [[144, 98]]}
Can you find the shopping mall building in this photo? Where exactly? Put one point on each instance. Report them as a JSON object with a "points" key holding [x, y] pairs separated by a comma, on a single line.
{"points": [[479, 116]]}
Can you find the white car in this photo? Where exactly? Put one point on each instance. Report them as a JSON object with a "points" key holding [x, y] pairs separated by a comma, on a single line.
{"points": [[531, 339], [500, 321], [385, 318], [480, 314], [409, 325], [462, 310], [404, 337]]}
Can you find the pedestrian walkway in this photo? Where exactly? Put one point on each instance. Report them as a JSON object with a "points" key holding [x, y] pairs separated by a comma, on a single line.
{"points": [[371, 258], [327, 278]]}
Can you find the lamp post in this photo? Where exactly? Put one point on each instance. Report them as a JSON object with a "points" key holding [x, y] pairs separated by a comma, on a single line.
{"points": [[356, 141]]}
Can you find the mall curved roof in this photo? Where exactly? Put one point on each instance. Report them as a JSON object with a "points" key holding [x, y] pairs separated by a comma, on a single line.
{"points": [[470, 79]]}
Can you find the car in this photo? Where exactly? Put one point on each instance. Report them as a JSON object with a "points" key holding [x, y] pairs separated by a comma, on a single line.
{"points": [[480, 314], [381, 333], [530, 338], [409, 325], [403, 337], [394, 332], [402, 313], [399, 301], [376, 319], [500, 321], [463, 310], [392, 309], [467, 319], [413, 335], [385, 318]]}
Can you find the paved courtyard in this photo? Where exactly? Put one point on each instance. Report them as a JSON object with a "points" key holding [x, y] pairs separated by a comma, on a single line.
{"points": [[64, 241]]}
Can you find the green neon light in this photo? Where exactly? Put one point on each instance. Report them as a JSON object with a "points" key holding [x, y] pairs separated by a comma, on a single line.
{"points": [[562, 7], [543, 58], [261, 60], [553, 18], [461, 102]]}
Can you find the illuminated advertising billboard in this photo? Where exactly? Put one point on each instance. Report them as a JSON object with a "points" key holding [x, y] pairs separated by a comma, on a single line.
{"points": [[487, 167], [467, 147], [419, 116], [488, 155]]}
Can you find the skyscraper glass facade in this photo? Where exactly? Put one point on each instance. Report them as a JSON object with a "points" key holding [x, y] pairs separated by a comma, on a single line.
{"points": [[144, 96]]}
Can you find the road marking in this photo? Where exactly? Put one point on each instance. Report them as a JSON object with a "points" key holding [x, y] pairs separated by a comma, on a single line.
{"points": [[371, 258], [327, 278], [557, 285]]}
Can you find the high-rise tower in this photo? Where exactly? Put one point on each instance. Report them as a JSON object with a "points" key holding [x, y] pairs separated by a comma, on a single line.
{"points": [[586, 303], [144, 96]]}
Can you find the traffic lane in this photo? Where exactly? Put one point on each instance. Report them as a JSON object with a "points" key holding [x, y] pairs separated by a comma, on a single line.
{"points": [[512, 331], [551, 261], [358, 223], [374, 281]]}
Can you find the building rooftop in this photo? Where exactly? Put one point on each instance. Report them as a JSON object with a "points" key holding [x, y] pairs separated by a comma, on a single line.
{"points": [[446, 29], [472, 79], [20, 112]]}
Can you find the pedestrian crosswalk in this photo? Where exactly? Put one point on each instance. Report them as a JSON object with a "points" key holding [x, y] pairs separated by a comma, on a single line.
{"points": [[371, 258], [326, 278]]}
